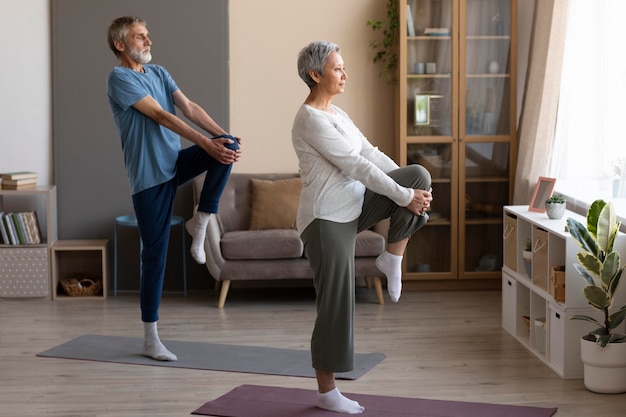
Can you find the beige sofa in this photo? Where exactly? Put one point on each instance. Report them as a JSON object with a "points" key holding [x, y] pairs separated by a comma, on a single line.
{"points": [[234, 252]]}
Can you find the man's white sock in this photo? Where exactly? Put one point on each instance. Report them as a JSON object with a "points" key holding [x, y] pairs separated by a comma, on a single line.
{"points": [[196, 227], [391, 265], [152, 346], [335, 401]]}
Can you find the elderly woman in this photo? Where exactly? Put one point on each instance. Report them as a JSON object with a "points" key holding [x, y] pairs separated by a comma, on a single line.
{"points": [[349, 186]]}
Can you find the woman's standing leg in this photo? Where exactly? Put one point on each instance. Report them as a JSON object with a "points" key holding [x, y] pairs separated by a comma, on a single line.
{"points": [[329, 247]]}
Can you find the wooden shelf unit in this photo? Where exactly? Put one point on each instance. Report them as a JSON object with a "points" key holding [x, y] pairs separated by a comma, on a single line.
{"points": [[79, 258]]}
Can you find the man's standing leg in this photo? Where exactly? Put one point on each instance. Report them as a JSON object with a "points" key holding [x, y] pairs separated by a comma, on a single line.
{"points": [[153, 208]]}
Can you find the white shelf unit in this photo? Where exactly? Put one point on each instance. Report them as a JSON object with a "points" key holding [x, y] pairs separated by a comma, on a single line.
{"points": [[529, 311], [25, 269]]}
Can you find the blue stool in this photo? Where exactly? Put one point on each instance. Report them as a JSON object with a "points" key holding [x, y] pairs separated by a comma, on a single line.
{"points": [[131, 221]]}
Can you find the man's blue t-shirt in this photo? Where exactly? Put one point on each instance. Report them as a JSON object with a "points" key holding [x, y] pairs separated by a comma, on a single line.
{"points": [[150, 150]]}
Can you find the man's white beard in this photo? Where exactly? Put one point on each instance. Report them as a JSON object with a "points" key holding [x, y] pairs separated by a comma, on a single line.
{"points": [[141, 57]]}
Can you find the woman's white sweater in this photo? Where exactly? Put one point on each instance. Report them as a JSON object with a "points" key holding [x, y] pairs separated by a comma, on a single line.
{"points": [[337, 164]]}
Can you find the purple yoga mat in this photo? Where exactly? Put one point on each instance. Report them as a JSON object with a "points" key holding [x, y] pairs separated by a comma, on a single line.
{"points": [[262, 401]]}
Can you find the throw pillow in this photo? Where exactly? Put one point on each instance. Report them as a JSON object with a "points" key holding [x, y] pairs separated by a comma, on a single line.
{"points": [[274, 204]]}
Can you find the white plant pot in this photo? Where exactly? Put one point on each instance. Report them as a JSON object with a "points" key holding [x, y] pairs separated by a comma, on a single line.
{"points": [[555, 210], [604, 368]]}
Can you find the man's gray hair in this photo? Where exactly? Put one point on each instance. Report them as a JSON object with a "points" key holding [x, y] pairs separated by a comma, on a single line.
{"points": [[119, 29]]}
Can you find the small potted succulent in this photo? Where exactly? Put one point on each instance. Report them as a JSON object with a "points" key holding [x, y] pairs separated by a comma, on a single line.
{"points": [[555, 206], [603, 350]]}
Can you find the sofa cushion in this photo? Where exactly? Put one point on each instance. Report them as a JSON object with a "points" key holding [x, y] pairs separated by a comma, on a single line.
{"points": [[369, 243], [262, 244], [274, 204]]}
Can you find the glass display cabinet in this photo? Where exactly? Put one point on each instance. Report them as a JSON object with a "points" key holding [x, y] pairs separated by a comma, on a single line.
{"points": [[457, 118]]}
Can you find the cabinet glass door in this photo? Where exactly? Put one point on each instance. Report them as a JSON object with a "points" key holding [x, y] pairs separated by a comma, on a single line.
{"points": [[429, 51], [485, 132], [487, 81], [429, 120], [486, 192], [433, 249]]}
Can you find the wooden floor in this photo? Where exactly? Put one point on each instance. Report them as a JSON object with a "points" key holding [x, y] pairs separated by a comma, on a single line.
{"points": [[439, 345]]}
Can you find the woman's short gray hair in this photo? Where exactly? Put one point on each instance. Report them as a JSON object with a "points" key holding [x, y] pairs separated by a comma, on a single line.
{"points": [[313, 57]]}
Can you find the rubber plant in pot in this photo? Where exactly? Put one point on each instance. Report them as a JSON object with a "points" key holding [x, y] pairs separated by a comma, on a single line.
{"points": [[555, 206], [603, 350]]}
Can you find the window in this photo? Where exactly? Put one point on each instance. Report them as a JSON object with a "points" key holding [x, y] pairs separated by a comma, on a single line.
{"points": [[589, 157]]}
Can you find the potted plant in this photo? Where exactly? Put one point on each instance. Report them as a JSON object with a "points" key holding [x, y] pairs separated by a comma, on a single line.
{"points": [[387, 48], [527, 256], [555, 206], [603, 350]]}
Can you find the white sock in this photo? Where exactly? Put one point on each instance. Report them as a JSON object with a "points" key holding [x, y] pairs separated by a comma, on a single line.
{"points": [[335, 401], [391, 265], [152, 346], [196, 227]]}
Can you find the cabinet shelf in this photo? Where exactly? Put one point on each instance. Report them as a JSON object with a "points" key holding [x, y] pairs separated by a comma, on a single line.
{"points": [[487, 179], [427, 76], [488, 37], [470, 76], [429, 38]]}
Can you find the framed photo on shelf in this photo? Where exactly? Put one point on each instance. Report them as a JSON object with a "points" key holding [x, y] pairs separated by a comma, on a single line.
{"points": [[543, 190], [422, 109]]}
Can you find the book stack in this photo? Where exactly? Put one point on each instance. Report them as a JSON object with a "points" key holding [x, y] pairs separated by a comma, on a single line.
{"points": [[18, 180], [437, 31], [19, 228]]}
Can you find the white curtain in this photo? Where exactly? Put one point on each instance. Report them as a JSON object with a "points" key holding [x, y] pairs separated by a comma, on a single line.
{"points": [[541, 96], [589, 160]]}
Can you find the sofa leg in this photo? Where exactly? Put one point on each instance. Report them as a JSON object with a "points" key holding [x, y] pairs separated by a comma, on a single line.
{"points": [[368, 282], [223, 293], [379, 290]]}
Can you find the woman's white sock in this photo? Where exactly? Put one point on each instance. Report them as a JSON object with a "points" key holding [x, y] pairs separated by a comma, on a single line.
{"points": [[335, 401], [152, 346], [196, 227], [391, 265]]}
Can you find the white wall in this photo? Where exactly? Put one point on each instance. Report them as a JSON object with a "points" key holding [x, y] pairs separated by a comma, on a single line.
{"points": [[265, 90], [25, 110]]}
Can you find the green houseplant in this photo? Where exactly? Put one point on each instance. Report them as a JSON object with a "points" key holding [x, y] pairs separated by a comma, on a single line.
{"points": [[555, 206], [387, 48], [603, 350]]}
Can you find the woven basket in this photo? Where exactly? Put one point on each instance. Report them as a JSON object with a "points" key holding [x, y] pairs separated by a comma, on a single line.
{"points": [[81, 286]]}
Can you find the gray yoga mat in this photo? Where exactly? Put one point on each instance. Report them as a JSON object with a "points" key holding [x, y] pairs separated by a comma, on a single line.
{"points": [[207, 356]]}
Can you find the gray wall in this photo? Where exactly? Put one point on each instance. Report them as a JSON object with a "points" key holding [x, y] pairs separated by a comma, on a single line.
{"points": [[190, 38]]}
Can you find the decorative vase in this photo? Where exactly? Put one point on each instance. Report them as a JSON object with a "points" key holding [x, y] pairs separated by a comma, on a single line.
{"points": [[555, 210], [604, 367]]}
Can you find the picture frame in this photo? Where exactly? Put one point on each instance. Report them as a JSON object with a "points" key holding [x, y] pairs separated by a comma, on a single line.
{"points": [[543, 190], [422, 110]]}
